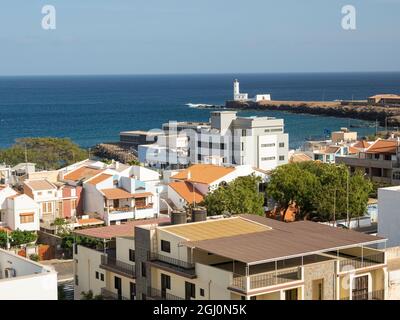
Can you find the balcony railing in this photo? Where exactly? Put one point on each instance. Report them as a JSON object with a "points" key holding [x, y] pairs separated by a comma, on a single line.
{"points": [[157, 294], [122, 209], [373, 295], [176, 264], [246, 283], [362, 262], [112, 264], [109, 295], [142, 207]]}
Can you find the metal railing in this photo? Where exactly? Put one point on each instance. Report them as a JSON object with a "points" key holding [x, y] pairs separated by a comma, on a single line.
{"points": [[157, 294], [267, 279], [170, 260], [362, 262], [373, 295], [117, 265], [110, 295]]}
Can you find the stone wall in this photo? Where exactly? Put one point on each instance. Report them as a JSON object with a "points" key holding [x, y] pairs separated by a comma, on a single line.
{"points": [[322, 270]]}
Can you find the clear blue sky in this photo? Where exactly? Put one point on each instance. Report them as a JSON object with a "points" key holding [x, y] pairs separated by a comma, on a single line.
{"points": [[198, 36]]}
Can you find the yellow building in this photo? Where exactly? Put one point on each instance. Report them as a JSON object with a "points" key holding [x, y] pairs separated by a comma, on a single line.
{"points": [[254, 258]]}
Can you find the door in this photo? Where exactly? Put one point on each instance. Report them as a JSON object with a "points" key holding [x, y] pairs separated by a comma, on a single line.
{"points": [[165, 284], [360, 288], [190, 291], [118, 287], [115, 203], [291, 294], [132, 290]]}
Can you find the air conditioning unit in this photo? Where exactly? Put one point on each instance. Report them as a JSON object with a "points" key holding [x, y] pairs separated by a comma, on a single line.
{"points": [[10, 273]]}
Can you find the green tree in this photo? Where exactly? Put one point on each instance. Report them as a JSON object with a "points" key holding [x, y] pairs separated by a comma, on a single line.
{"points": [[48, 153], [18, 237], [237, 197]]}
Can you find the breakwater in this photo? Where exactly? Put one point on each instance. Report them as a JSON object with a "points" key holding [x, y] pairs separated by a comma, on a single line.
{"points": [[384, 115]]}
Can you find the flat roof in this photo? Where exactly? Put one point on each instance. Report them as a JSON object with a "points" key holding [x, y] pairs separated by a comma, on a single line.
{"points": [[212, 229], [126, 229], [41, 184], [283, 241]]}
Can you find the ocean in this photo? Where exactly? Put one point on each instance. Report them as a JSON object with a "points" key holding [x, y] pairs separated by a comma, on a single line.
{"points": [[94, 109]]}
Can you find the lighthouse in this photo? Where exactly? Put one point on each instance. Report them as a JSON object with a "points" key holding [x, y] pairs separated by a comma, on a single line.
{"points": [[237, 96]]}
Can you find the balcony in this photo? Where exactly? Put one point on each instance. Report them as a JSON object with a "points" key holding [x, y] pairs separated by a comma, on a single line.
{"points": [[373, 295], [117, 266], [348, 264], [156, 294], [142, 207], [263, 280], [110, 295], [184, 268]]}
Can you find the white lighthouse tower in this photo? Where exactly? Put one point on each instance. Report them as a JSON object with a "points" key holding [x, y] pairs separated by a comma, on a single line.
{"points": [[237, 96]]}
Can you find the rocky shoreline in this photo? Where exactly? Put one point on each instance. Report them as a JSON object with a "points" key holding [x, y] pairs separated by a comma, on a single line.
{"points": [[391, 115]]}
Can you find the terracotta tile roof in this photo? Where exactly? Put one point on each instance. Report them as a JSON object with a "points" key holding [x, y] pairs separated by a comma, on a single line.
{"points": [[299, 157], [330, 150], [203, 173], [82, 173], [37, 185], [117, 193], [100, 178], [122, 230], [353, 150], [185, 191], [362, 144], [90, 221], [383, 146]]}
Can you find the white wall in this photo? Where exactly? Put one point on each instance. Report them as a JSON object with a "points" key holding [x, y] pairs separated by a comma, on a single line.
{"points": [[389, 215], [19, 205]]}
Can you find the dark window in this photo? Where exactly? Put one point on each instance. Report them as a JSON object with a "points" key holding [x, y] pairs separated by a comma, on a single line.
{"points": [[102, 276], [199, 157], [131, 255], [253, 298], [190, 290], [281, 144], [165, 246], [76, 248], [281, 158], [165, 282], [76, 280], [97, 274], [144, 296], [144, 269], [199, 144], [222, 147], [242, 298], [202, 292]]}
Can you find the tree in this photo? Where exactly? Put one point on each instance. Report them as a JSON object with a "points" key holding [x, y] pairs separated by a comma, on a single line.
{"points": [[47, 153], [19, 237], [237, 197], [320, 190]]}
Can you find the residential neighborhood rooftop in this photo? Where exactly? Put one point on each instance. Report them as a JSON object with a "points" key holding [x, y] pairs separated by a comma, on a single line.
{"points": [[82, 173], [186, 191], [38, 185], [203, 173]]}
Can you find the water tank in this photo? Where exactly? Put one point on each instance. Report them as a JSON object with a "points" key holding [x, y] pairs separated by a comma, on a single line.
{"points": [[199, 214], [178, 217]]}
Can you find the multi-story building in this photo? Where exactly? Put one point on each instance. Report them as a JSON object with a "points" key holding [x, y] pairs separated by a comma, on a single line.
{"points": [[385, 100], [389, 215], [249, 257], [23, 279], [108, 269], [380, 161], [256, 141]]}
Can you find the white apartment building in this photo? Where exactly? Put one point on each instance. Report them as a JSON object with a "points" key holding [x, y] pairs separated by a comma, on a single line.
{"points": [[23, 279], [227, 139]]}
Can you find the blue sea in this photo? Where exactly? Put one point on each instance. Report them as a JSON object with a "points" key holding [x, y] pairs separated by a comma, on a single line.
{"points": [[93, 109]]}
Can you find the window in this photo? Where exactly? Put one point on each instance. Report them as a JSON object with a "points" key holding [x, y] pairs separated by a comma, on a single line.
{"points": [[165, 282], [199, 157], [47, 207], [76, 280], [49, 192], [76, 248], [131, 255], [143, 269], [199, 144], [276, 130], [267, 145], [97, 275], [165, 246], [267, 158], [242, 146], [190, 290], [26, 218], [73, 204], [102, 276], [281, 158], [202, 292], [281, 144], [266, 130], [253, 298], [244, 132], [222, 147]]}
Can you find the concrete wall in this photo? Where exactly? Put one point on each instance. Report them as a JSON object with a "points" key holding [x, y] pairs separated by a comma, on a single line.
{"points": [[389, 215], [317, 271]]}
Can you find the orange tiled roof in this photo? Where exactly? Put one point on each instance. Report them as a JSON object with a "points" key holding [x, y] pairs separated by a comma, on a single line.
{"points": [[117, 193], [82, 173], [99, 178], [203, 173], [362, 144], [42, 184], [299, 157], [353, 150], [185, 190], [383, 146]]}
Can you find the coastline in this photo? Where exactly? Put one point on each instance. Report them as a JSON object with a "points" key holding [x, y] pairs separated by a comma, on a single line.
{"points": [[384, 115]]}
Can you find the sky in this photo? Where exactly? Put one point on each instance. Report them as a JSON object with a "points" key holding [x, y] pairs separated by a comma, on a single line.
{"points": [[197, 36]]}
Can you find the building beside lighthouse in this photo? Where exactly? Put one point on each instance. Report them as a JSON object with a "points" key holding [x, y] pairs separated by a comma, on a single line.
{"points": [[237, 96]]}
